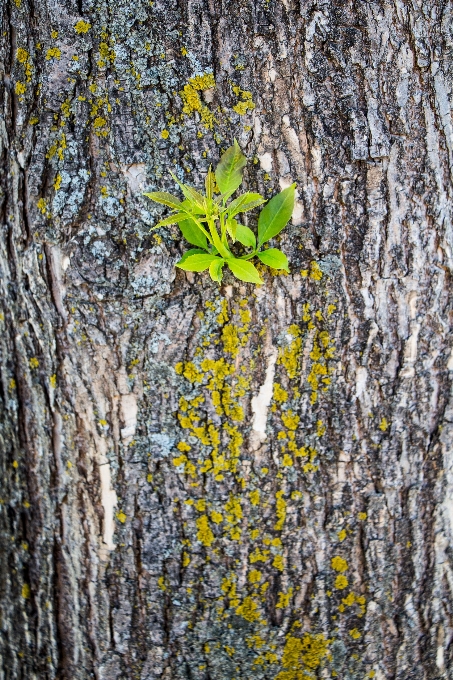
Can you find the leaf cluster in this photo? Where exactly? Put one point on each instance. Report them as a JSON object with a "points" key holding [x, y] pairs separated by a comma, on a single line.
{"points": [[211, 222]]}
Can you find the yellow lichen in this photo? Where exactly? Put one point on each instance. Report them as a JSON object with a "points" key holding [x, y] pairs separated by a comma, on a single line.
{"points": [[280, 395], [235, 533], [315, 271], [23, 58], [99, 122], [319, 372], [254, 497], [254, 576], [106, 53], [331, 309], [255, 641], [289, 356], [339, 564], [223, 316], [180, 460], [22, 55], [204, 533], [230, 339], [192, 102], [203, 82], [349, 600], [259, 555], [182, 446], [342, 534], [341, 582], [320, 428], [280, 510], [248, 609], [82, 26], [287, 460], [284, 599], [121, 516], [216, 517], [53, 53], [301, 656], [278, 562], [290, 420], [234, 510], [245, 103]]}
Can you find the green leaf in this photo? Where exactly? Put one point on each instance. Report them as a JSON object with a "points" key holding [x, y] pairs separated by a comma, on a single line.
{"points": [[209, 184], [196, 263], [244, 271], [245, 236], [192, 233], [276, 214], [231, 226], [215, 269], [165, 198], [188, 253], [220, 198], [228, 173], [190, 193], [244, 203], [192, 208], [172, 219], [194, 197], [274, 258]]}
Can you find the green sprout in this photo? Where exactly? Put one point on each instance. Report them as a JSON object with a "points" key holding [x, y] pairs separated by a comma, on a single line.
{"points": [[209, 222]]}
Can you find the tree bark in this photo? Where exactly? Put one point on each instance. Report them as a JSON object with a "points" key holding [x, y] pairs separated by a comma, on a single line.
{"points": [[207, 482]]}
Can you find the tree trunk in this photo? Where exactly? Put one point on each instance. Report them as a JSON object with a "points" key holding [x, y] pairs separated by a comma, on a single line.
{"points": [[207, 482]]}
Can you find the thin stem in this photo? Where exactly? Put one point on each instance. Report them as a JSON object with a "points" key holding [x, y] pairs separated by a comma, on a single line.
{"points": [[224, 251], [199, 225], [223, 229], [249, 256]]}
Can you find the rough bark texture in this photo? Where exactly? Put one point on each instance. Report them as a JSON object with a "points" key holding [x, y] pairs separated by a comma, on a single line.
{"points": [[307, 532]]}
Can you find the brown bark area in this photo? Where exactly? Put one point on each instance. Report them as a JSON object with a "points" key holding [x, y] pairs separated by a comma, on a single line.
{"points": [[317, 407]]}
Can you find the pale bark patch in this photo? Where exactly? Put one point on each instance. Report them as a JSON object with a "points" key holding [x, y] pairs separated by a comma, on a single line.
{"points": [[109, 502], [260, 403], [135, 176], [129, 415]]}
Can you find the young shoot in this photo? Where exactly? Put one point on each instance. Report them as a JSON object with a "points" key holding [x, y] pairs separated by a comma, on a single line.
{"points": [[210, 222]]}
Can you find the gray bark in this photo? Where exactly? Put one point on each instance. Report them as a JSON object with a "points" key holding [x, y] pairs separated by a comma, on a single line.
{"points": [[113, 564]]}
